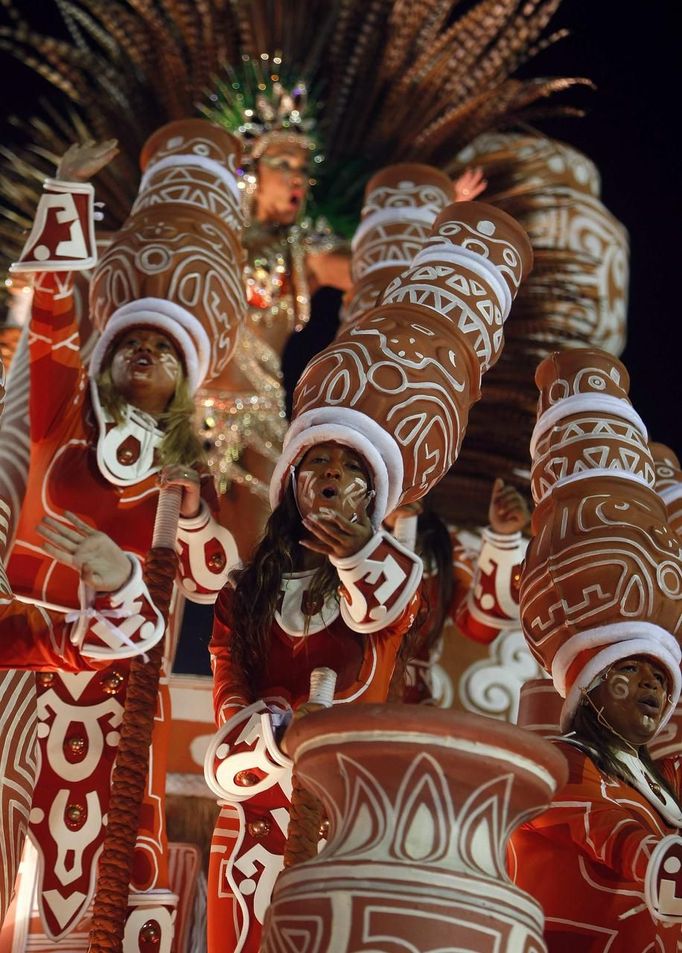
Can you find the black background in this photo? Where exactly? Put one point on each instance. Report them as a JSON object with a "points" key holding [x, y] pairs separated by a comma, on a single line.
{"points": [[631, 51]]}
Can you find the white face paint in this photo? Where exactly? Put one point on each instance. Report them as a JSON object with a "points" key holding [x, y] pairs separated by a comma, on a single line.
{"points": [[145, 368], [332, 479], [631, 698], [618, 686], [170, 365]]}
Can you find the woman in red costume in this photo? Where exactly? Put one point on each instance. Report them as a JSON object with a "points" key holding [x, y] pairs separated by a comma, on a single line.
{"points": [[605, 859], [324, 589], [100, 449]]}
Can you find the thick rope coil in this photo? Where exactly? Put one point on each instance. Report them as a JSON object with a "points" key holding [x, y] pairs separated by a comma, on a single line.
{"points": [[306, 813], [130, 772]]}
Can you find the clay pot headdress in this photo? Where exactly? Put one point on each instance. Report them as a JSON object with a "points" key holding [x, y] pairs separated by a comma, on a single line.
{"points": [[176, 264], [400, 207], [603, 574], [668, 483], [398, 383]]}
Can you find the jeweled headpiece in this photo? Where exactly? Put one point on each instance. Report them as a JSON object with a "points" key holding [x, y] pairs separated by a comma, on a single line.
{"points": [[255, 103]]}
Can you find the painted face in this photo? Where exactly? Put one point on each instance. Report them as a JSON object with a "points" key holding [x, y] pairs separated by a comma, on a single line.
{"points": [[282, 184], [146, 368], [334, 478], [633, 695]]}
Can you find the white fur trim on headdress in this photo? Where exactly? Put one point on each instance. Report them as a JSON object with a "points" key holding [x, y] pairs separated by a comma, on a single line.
{"points": [[620, 640], [185, 160], [599, 404], [167, 316], [352, 429]]}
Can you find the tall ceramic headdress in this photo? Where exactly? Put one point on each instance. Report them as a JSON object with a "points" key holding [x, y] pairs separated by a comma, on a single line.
{"points": [[668, 483], [398, 383], [603, 572], [401, 204], [176, 264]]}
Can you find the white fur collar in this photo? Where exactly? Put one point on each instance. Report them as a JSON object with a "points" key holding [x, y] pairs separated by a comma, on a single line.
{"points": [[125, 451], [290, 616]]}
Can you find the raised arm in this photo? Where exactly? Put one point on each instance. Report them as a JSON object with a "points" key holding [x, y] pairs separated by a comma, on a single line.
{"points": [[492, 603], [117, 617], [61, 241]]}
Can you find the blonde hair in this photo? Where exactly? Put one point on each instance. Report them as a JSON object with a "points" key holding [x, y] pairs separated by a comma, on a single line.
{"points": [[180, 443]]}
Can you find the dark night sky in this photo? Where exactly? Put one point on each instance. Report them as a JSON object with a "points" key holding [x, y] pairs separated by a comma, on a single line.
{"points": [[631, 52]]}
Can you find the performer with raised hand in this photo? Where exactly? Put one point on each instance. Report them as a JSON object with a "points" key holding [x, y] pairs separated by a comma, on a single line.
{"points": [[476, 589], [328, 588], [101, 448]]}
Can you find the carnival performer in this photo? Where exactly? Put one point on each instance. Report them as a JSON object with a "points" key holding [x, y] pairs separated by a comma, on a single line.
{"points": [[101, 448], [304, 601], [242, 413], [602, 829], [477, 590], [320, 492], [600, 609]]}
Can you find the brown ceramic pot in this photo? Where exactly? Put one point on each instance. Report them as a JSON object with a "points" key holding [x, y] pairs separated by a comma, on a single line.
{"points": [[668, 483], [540, 708], [414, 363], [576, 295], [185, 137], [603, 572], [586, 423], [181, 241], [420, 804], [191, 162], [401, 204]]}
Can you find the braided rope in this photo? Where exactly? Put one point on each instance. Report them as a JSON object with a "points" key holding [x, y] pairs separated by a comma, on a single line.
{"points": [[305, 818], [130, 772]]}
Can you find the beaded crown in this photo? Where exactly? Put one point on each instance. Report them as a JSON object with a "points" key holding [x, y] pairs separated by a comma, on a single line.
{"points": [[259, 105]]}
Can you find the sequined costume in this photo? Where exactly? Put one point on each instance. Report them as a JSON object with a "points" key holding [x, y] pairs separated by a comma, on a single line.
{"points": [[247, 769], [585, 859]]}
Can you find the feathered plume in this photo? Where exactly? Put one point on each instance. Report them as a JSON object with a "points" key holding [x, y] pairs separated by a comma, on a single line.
{"points": [[393, 80]]}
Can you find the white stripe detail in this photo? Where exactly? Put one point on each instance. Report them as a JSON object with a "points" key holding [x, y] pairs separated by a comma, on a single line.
{"points": [[597, 472], [586, 404], [190, 159], [671, 494], [483, 267], [405, 215]]}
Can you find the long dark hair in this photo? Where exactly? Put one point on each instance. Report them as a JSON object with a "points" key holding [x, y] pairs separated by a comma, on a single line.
{"points": [[596, 740], [434, 545], [257, 590]]}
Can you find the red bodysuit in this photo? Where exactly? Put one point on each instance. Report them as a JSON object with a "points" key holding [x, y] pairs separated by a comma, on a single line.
{"points": [[359, 639], [107, 475], [585, 858]]}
